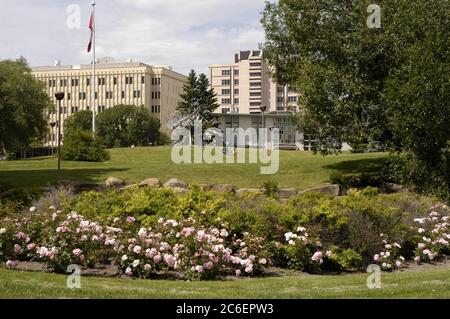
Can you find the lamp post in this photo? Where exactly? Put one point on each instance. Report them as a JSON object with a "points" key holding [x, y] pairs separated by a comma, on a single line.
{"points": [[52, 125], [263, 109], [59, 96]]}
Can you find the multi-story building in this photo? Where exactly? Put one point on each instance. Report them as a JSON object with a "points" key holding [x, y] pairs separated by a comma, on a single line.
{"points": [[156, 88], [246, 85]]}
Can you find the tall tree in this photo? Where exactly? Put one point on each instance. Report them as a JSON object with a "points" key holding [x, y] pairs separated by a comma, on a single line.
{"points": [[189, 97], [361, 83], [207, 97], [198, 96], [23, 104], [79, 121]]}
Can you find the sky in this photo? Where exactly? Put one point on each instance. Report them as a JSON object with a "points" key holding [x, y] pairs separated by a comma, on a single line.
{"points": [[185, 34]]}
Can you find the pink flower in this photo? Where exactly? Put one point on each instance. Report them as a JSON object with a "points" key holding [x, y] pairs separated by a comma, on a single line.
{"points": [[329, 253], [262, 261], [17, 249], [421, 245], [201, 235], [238, 273], [376, 257], [208, 265], [317, 257], [169, 260], [21, 235], [199, 269], [131, 219], [249, 269], [157, 259], [147, 267], [31, 246], [77, 252], [124, 258], [417, 259]]}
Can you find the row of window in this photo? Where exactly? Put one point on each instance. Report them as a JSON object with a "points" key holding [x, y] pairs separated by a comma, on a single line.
{"points": [[228, 82], [228, 72], [100, 81], [156, 108], [228, 101], [109, 95], [228, 91]]}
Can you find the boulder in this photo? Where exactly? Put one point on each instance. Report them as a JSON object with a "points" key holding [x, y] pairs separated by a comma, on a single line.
{"points": [[150, 182], [334, 190], [222, 188], [392, 188], [286, 193], [114, 182], [175, 183]]}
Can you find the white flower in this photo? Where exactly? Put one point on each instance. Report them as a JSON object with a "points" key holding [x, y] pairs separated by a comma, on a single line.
{"points": [[376, 257], [387, 254], [397, 245], [136, 263], [291, 242], [421, 245], [421, 230], [384, 265], [329, 253], [301, 229], [128, 271], [398, 263], [427, 252], [387, 246], [124, 257], [142, 232], [32, 209], [417, 259], [137, 249], [2, 231]]}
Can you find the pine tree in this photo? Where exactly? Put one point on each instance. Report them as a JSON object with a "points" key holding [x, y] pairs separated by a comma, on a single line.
{"points": [[207, 98], [189, 97]]}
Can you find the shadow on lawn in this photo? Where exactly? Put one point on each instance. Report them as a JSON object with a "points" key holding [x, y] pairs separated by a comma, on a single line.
{"points": [[361, 166], [46, 177]]}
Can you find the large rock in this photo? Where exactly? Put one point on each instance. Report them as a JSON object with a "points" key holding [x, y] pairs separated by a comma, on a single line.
{"points": [[222, 188], [114, 182], [175, 183], [286, 193], [334, 190], [150, 182], [392, 188]]}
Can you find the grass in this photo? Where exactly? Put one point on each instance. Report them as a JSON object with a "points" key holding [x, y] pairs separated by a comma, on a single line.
{"points": [[297, 169], [432, 283]]}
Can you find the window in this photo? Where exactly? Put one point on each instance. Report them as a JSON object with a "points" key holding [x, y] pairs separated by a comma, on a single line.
{"points": [[225, 110], [115, 80], [258, 93], [236, 72], [74, 109], [62, 82], [280, 89], [128, 80], [156, 109], [255, 74], [255, 64], [236, 81], [109, 95], [96, 95], [255, 83], [236, 101], [123, 94], [52, 83], [143, 79], [136, 94], [88, 82], [226, 91], [74, 82], [292, 99], [156, 81], [226, 82], [156, 95], [255, 103], [226, 101], [82, 96], [101, 81], [226, 72], [68, 96], [280, 99], [236, 91]]}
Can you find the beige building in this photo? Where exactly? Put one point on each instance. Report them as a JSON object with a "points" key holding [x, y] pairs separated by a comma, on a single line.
{"points": [[156, 88], [245, 85]]}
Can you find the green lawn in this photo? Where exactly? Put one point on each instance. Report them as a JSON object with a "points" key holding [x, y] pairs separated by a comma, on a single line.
{"points": [[297, 169], [430, 283]]}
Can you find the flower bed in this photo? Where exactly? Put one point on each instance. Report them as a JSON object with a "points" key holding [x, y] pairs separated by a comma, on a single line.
{"points": [[328, 235]]}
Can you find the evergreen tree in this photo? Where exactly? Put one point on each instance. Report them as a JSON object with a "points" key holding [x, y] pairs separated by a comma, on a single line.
{"points": [[207, 98], [189, 97]]}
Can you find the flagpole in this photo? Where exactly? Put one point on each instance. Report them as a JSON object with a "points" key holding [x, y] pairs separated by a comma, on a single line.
{"points": [[93, 70]]}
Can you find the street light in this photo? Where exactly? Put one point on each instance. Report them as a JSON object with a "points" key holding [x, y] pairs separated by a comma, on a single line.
{"points": [[59, 96], [263, 108], [52, 125]]}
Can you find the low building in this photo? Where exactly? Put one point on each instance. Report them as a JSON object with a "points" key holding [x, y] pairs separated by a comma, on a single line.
{"points": [[131, 83]]}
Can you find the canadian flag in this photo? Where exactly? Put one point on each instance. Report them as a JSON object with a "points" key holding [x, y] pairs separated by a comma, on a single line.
{"points": [[91, 26]]}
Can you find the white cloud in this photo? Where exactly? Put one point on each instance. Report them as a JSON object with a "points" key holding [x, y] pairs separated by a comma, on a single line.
{"points": [[183, 33]]}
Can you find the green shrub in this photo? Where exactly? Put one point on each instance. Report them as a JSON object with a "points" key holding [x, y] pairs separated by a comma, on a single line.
{"points": [[81, 146], [270, 188]]}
